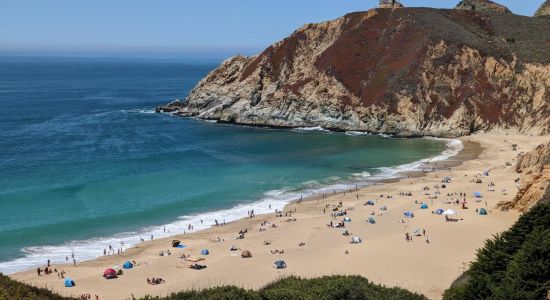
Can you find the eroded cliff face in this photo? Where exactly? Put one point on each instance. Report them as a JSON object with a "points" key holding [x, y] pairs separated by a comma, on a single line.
{"points": [[408, 72], [534, 169], [544, 10]]}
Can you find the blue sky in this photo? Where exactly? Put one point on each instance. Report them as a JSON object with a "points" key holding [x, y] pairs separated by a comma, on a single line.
{"points": [[173, 26]]}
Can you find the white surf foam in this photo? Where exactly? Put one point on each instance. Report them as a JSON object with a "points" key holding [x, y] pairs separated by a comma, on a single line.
{"points": [[272, 200], [317, 128], [356, 133]]}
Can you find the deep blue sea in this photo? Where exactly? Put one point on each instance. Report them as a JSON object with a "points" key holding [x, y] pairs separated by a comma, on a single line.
{"points": [[85, 162]]}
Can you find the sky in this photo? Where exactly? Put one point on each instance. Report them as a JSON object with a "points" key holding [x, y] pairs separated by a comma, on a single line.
{"points": [[173, 27]]}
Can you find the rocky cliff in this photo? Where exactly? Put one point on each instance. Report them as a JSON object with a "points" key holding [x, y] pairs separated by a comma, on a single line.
{"points": [[534, 168], [482, 5], [408, 72], [544, 10]]}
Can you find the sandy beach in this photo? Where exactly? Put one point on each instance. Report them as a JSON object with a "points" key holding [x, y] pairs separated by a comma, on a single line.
{"points": [[312, 248]]}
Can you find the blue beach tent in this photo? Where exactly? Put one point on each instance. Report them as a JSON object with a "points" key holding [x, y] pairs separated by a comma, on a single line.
{"points": [[370, 202], [372, 220], [424, 206], [478, 195], [280, 264], [439, 211], [128, 265], [69, 282], [205, 252], [483, 211], [408, 214]]}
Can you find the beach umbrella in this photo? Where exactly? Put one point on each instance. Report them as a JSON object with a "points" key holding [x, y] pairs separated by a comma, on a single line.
{"points": [[449, 212]]}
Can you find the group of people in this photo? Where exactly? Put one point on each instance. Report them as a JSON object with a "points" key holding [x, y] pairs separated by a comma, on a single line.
{"points": [[155, 281]]}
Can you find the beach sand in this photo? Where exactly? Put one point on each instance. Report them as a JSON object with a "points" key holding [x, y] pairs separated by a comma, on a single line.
{"points": [[383, 257]]}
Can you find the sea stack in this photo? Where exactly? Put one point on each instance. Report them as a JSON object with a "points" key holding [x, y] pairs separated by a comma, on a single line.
{"points": [[482, 5], [544, 9]]}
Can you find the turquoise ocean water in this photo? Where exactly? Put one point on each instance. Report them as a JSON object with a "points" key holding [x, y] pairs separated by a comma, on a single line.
{"points": [[84, 162]]}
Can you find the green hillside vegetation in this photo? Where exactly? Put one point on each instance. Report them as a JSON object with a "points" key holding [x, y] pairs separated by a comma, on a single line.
{"points": [[512, 265], [14, 290], [328, 287]]}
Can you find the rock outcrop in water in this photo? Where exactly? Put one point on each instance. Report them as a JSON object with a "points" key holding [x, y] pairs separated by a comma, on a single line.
{"points": [[408, 72], [544, 10], [534, 168]]}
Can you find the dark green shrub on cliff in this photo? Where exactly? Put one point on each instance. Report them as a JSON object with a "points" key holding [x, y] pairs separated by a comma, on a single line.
{"points": [[14, 290], [513, 265], [291, 288]]}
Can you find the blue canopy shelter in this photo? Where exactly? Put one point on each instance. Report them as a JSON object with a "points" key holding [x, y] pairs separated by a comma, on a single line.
{"points": [[128, 265], [424, 206], [408, 214], [483, 211], [439, 211], [205, 252], [69, 282], [478, 195]]}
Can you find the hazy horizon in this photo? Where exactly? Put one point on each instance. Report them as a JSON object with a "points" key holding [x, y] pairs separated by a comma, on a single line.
{"points": [[209, 29]]}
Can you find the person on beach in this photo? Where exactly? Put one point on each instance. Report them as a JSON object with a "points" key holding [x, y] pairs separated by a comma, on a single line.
{"points": [[39, 271]]}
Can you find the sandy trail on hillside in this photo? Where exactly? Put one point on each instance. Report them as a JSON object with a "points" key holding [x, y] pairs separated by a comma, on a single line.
{"points": [[383, 257]]}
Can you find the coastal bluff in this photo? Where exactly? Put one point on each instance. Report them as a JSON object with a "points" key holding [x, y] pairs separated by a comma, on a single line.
{"points": [[406, 72]]}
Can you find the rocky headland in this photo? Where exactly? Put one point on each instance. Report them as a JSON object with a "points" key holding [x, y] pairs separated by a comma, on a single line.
{"points": [[406, 72]]}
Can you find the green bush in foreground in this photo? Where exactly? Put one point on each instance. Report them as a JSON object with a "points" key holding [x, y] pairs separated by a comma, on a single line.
{"points": [[14, 290], [513, 265], [328, 287]]}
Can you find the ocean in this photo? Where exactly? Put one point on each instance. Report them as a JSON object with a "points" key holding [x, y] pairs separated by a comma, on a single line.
{"points": [[86, 163]]}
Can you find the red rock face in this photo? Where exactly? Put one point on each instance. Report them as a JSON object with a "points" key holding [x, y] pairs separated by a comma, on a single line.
{"points": [[407, 71]]}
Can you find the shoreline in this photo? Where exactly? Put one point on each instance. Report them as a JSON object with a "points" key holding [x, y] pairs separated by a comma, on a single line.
{"points": [[423, 268], [133, 238]]}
